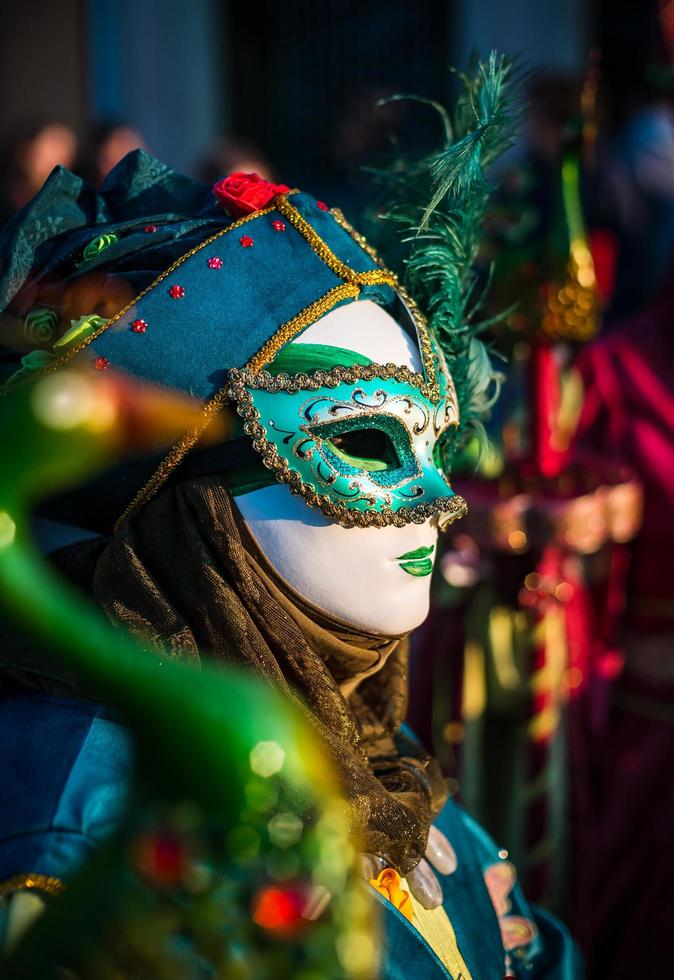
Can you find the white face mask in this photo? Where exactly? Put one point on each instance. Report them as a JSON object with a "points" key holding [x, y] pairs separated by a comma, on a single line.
{"points": [[375, 579]]}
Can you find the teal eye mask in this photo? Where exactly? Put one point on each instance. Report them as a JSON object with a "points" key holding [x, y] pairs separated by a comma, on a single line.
{"points": [[356, 441]]}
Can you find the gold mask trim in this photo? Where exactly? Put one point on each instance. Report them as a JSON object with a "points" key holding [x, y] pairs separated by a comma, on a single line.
{"points": [[446, 509]]}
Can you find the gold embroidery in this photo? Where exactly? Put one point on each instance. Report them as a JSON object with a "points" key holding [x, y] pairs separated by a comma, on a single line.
{"points": [[328, 379], [68, 355], [375, 276], [46, 884], [447, 509]]}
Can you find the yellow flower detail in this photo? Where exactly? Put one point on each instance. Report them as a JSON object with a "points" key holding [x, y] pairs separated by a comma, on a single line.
{"points": [[387, 883]]}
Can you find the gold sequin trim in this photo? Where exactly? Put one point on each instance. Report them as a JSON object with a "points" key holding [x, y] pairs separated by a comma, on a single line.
{"points": [[68, 355], [447, 509], [374, 276], [268, 352], [253, 378], [361, 240], [46, 884]]}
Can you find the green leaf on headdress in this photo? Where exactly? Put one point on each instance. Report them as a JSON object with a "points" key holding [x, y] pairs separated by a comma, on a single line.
{"points": [[38, 360], [79, 330], [35, 360], [98, 245]]}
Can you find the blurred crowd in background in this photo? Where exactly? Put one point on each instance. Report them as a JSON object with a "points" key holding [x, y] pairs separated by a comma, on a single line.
{"points": [[30, 153], [544, 677]]}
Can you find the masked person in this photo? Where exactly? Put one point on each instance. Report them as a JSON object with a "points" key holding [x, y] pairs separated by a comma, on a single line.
{"points": [[301, 546]]}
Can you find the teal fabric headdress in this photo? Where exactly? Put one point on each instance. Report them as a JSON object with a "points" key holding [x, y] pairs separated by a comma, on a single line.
{"points": [[205, 291], [175, 289]]}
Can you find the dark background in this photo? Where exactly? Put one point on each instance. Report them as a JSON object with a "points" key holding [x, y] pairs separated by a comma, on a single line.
{"points": [[298, 79]]}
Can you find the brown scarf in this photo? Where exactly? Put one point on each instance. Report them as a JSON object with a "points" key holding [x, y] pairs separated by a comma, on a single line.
{"points": [[185, 576]]}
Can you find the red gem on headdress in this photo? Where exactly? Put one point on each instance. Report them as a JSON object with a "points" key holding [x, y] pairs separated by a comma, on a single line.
{"points": [[177, 292], [246, 241], [101, 363], [214, 263], [278, 225], [150, 228], [139, 326], [322, 205]]}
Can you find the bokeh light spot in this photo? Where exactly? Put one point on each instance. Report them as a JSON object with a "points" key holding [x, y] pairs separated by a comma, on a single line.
{"points": [[517, 540], [63, 401], [7, 529], [285, 829], [267, 758], [277, 909]]}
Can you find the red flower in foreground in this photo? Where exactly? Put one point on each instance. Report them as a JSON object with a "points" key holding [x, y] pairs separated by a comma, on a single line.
{"points": [[278, 909], [243, 194], [161, 857]]}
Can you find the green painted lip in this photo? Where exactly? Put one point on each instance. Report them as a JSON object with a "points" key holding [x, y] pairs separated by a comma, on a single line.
{"points": [[424, 552], [417, 568], [417, 562]]}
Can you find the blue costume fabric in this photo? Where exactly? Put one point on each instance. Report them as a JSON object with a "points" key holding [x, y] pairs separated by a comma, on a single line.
{"points": [[66, 767]]}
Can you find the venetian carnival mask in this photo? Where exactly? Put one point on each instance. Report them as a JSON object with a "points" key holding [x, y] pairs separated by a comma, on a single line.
{"points": [[360, 444]]}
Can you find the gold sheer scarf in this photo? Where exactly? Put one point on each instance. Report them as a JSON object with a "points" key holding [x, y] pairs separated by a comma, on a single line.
{"points": [[179, 575], [350, 655]]}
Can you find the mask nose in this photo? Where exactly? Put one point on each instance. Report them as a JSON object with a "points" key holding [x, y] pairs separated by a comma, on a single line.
{"points": [[458, 509]]}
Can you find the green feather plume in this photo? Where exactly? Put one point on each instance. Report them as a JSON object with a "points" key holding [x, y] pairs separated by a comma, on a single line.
{"points": [[439, 204]]}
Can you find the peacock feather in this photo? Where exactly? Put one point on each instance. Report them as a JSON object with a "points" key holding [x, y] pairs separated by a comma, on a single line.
{"points": [[437, 205]]}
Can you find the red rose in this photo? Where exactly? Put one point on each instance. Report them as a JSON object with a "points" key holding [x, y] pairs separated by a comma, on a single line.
{"points": [[246, 193]]}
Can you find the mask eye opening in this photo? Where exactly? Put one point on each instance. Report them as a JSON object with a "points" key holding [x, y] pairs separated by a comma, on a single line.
{"points": [[365, 448]]}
